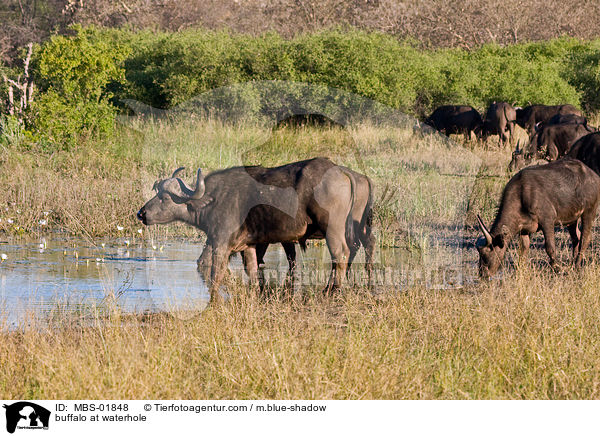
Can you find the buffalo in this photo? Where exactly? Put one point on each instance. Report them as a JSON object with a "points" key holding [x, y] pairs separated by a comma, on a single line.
{"points": [[567, 119], [453, 119], [549, 143], [529, 116], [241, 207], [362, 219], [587, 150], [297, 121], [538, 198], [500, 120]]}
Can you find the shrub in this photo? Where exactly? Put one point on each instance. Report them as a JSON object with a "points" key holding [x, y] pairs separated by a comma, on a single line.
{"points": [[73, 73]]}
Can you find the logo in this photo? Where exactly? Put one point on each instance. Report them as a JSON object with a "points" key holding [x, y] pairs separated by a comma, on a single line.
{"points": [[26, 415]]}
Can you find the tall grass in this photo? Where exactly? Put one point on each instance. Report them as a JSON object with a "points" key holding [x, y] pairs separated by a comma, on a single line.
{"points": [[98, 186], [532, 336]]}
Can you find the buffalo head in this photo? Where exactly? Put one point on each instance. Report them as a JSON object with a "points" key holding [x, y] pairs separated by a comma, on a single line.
{"points": [[491, 250], [519, 160], [172, 199]]}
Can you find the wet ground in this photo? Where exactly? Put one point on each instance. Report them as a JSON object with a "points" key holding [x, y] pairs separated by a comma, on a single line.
{"points": [[42, 275]]}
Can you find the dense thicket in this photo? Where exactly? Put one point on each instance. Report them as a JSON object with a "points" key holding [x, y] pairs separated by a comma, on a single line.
{"points": [[86, 75]]}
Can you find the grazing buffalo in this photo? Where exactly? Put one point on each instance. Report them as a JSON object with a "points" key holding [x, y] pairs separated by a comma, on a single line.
{"points": [[549, 143], [453, 119], [539, 198], [529, 116], [241, 207], [587, 150], [500, 119]]}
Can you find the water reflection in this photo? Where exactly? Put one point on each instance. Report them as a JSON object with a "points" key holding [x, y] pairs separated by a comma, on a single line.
{"points": [[45, 274]]}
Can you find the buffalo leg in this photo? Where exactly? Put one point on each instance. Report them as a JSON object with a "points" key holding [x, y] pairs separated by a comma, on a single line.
{"points": [[251, 265], [575, 239], [511, 132], [261, 249], [369, 245], [548, 231], [587, 220], [524, 247], [205, 260], [220, 256], [290, 254], [339, 252]]}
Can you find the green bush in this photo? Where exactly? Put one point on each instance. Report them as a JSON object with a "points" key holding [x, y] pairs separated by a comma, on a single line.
{"points": [[168, 69], [74, 73], [84, 78]]}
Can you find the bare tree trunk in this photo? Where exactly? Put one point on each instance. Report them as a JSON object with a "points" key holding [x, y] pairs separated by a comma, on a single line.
{"points": [[25, 87]]}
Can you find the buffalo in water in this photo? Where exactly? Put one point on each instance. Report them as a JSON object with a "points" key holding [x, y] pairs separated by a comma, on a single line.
{"points": [[539, 198], [362, 220], [241, 208], [452, 119]]}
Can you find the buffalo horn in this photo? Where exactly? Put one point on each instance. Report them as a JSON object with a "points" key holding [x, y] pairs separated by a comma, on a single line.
{"points": [[177, 171], [200, 188], [486, 233]]}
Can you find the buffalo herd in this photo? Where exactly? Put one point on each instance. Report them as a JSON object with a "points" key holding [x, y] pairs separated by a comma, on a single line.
{"points": [[244, 209], [564, 190]]}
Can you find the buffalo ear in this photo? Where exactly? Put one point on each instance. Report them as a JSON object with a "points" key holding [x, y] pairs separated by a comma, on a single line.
{"points": [[195, 204]]}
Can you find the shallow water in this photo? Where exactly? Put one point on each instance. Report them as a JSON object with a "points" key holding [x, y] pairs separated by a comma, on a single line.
{"points": [[43, 275]]}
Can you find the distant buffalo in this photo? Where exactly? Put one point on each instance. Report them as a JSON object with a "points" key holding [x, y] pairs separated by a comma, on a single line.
{"points": [[452, 119], [529, 116], [241, 207], [539, 198], [307, 120], [567, 119], [500, 120]]}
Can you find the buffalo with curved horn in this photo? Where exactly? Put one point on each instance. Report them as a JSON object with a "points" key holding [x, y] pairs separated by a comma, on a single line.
{"points": [[241, 207]]}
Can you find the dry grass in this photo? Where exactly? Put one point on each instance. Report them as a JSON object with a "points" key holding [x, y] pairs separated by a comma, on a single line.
{"points": [[534, 336], [99, 186]]}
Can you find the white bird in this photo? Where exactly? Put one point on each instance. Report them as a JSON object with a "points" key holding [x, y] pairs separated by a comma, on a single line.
{"points": [[126, 241], [140, 231], [120, 228], [3, 257], [43, 222], [10, 221]]}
